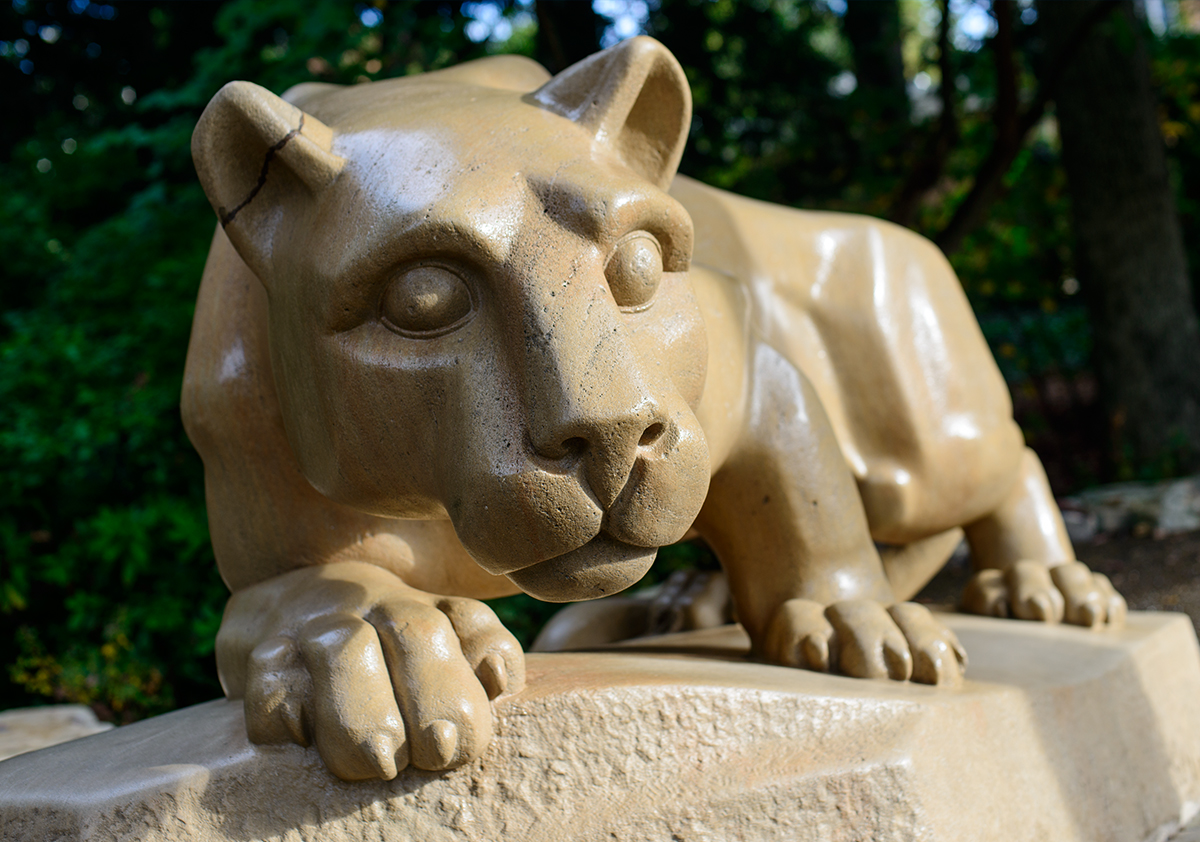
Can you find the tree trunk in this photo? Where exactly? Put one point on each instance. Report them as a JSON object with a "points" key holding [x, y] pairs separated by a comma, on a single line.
{"points": [[873, 30], [1128, 244], [931, 164], [567, 33]]}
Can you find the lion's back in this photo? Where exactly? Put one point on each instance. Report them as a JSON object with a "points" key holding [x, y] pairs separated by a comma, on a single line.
{"points": [[875, 317]]}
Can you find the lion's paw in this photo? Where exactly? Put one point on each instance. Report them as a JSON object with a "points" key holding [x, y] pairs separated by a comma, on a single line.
{"points": [[403, 681], [862, 639], [1030, 590]]}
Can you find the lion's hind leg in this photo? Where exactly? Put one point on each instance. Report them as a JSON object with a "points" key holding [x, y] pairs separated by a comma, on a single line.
{"points": [[1026, 566]]}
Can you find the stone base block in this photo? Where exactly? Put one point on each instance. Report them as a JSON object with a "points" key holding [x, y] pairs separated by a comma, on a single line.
{"points": [[1058, 734]]}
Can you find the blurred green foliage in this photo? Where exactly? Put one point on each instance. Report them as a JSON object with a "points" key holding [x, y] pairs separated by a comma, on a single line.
{"points": [[1177, 72], [108, 590]]}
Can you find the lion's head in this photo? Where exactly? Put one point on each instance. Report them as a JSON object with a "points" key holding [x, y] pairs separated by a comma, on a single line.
{"points": [[479, 305]]}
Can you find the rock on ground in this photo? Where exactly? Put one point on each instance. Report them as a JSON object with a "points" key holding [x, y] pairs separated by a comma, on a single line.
{"points": [[28, 729]]}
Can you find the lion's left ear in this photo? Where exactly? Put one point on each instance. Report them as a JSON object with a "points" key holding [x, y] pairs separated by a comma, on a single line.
{"points": [[635, 99], [259, 157]]}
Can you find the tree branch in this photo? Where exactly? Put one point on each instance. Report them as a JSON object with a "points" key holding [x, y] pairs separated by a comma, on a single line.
{"points": [[1011, 130], [933, 161]]}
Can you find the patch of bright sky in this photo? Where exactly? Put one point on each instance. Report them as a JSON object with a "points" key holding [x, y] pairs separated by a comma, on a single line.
{"points": [[370, 17], [973, 23], [1156, 15], [627, 18], [1028, 11], [486, 20], [487, 23], [843, 84]]}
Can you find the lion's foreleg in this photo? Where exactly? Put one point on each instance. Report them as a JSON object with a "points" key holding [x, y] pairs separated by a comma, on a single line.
{"points": [[783, 513], [786, 520]]}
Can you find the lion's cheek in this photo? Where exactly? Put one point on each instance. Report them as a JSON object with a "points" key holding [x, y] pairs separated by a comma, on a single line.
{"points": [[370, 428]]}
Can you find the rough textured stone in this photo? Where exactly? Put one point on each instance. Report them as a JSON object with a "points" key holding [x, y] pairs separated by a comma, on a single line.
{"points": [[1058, 734]]}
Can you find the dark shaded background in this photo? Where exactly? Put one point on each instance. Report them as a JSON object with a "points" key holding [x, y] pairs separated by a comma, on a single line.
{"points": [[1051, 149]]}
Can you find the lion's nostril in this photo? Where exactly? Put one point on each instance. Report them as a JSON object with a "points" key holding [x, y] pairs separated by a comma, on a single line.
{"points": [[651, 434]]}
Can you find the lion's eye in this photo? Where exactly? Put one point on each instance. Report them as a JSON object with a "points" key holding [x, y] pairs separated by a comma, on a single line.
{"points": [[634, 270], [426, 301]]}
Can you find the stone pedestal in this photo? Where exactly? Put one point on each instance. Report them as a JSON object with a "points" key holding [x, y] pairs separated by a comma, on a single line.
{"points": [[1058, 734]]}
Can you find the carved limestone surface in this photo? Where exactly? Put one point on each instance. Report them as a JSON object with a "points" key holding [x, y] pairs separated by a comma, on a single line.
{"points": [[1055, 736], [467, 332]]}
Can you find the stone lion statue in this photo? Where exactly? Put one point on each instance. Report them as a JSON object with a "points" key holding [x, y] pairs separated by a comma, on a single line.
{"points": [[467, 332]]}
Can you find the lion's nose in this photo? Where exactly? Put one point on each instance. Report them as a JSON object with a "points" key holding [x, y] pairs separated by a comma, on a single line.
{"points": [[575, 445], [607, 444], [590, 397]]}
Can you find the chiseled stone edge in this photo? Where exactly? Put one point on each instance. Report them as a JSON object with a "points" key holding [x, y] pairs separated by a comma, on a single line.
{"points": [[645, 743]]}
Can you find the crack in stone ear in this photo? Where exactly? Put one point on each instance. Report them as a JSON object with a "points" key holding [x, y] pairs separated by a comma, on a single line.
{"points": [[227, 218]]}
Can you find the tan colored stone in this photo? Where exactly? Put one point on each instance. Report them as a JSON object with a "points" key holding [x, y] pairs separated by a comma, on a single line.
{"points": [[28, 729], [468, 332], [1057, 734]]}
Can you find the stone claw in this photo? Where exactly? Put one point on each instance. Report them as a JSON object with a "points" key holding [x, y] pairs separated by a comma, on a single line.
{"points": [[377, 675], [1029, 590], [861, 638]]}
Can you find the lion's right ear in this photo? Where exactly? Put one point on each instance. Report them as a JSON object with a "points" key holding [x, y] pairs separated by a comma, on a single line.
{"points": [[633, 98], [257, 155]]}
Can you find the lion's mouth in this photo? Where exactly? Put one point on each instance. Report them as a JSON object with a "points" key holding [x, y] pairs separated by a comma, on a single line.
{"points": [[601, 567]]}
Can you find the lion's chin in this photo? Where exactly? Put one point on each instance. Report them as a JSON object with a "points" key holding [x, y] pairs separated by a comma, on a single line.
{"points": [[601, 567]]}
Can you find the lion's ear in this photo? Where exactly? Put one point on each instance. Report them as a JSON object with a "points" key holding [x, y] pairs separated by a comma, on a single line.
{"points": [[256, 156], [634, 98]]}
